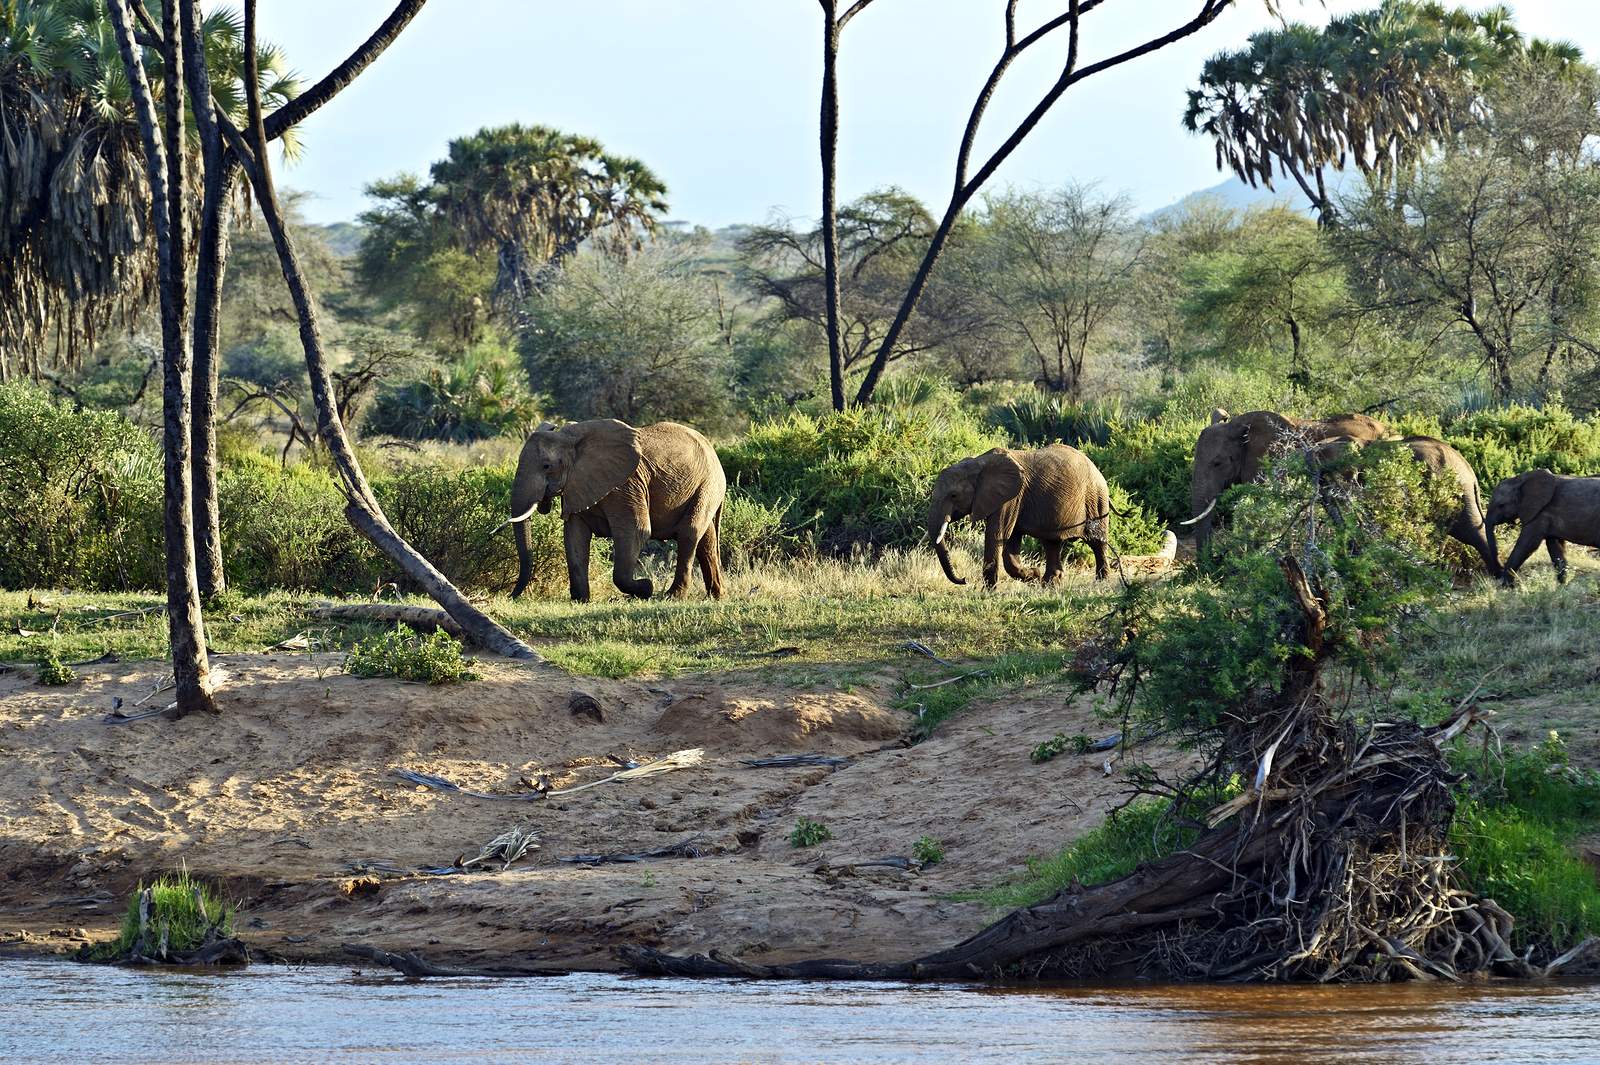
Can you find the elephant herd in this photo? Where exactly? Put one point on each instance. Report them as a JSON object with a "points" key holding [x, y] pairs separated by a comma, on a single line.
{"points": [[664, 482]]}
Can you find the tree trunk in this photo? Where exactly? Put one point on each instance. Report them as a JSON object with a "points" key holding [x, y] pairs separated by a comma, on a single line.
{"points": [[363, 509], [186, 629], [830, 207], [215, 214]]}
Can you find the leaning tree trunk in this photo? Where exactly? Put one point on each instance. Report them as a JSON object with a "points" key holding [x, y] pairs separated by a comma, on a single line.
{"points": [[1330, 866], [362, 508], [164, 161], [215, 212]]}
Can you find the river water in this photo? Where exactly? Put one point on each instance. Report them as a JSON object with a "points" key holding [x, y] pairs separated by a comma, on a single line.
{"points": [[61, 1012]]}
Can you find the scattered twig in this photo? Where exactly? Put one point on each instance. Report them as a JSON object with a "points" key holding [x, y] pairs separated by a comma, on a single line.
{"points": [[949, 680], [927, 652], [688, 848]]}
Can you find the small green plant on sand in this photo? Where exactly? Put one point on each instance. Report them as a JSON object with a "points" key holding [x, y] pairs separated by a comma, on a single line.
{"points": [[1061, 743], [181, 914], [53, 672], [809, 833], [435, 658], [928, 850]]}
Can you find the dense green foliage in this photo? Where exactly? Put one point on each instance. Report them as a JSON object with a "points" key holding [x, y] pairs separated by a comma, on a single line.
{"points": [[182, 911], [400, 652]]}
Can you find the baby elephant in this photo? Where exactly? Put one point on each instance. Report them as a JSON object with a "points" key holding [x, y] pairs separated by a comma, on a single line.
{"points": [[1552, 509], [1053, 494]]}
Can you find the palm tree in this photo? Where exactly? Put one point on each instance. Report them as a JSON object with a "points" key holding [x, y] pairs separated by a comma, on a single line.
{"points": [[75, 245], [1377, 88], [533, 194]]}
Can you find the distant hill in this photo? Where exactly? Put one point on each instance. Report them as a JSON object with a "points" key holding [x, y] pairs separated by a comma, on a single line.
{"points": [[1240, 196], [343, 237]]}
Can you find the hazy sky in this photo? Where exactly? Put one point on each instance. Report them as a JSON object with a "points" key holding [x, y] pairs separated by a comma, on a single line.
{"points": [[720, 96]]}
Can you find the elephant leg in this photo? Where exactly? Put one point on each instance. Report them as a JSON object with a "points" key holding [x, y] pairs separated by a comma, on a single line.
{"points": [[1101, 570], [1052, 561], [626, 543], [709, 555], [687, 542], [1527, 543], [576, 536], [992, 545], [1012, 557], [1558, 556]]}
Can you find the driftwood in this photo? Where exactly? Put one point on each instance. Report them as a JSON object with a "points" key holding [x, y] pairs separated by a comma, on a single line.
{"points": [[422, 618], [417, 967], [793, 761], [688, 848], [1329, 867]]}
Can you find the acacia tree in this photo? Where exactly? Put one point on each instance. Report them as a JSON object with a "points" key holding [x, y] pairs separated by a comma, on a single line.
{"points": [[1062, 266]]}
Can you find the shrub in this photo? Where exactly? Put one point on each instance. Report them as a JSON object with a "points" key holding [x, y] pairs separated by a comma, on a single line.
{"points": [[1504, 443], [435, 658], [452, 514], [80, 496], [482, 395], [809, 833], [1041, 418], [53, 672], [285, 527], [927, 850], [752, 531], [1524, 865], [856, 477], [1059, 744], [1151, 461]]}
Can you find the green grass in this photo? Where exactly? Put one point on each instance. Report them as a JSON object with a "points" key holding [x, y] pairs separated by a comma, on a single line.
{"points": [[1139, 832], [984, 680], [1526, 866], [175, 911], [809, 833], [824, 620]]}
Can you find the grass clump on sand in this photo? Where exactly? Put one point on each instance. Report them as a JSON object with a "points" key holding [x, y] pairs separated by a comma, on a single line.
{"points": [[435, 658], [173, 916], [53, 672], [809, 833]]}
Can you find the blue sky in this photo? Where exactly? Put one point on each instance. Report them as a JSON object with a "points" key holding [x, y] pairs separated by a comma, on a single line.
{"points": [[720, 96]]}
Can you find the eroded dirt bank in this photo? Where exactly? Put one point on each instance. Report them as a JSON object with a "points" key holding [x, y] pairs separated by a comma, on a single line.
{"points": [[289, 798]]}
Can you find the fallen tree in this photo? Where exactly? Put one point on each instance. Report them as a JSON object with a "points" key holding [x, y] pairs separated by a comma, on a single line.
{"points": [[1324, 854]]}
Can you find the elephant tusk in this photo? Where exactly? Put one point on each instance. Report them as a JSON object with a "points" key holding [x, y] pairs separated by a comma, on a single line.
{"points": [[1200, 515], [942, 530], [524, 516]]}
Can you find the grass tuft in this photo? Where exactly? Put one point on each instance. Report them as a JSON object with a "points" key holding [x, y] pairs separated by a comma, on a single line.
{"points": [[176, 918], [809, 833]]}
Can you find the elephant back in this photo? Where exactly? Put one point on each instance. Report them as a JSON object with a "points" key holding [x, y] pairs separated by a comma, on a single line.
{"points": [[682, 463]]}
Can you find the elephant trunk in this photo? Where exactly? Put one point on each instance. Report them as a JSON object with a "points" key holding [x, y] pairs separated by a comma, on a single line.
{"points": [[1493, 558], [524, 558], [938, 526]]}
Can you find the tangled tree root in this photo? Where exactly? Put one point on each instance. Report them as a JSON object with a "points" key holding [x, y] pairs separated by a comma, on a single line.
{"points": [[1331, 866]]}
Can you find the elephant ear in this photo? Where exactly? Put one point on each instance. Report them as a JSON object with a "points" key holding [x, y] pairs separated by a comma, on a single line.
{"points": [[606, 453], [999, 482], [1218, 415], [1538, 488]]}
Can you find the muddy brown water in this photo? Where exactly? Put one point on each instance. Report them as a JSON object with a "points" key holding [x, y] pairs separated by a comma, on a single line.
{"points": [[60, 1012]]}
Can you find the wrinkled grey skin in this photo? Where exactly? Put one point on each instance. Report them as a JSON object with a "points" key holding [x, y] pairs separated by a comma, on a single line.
{"points": [[1468, 523], [1232, 449], [1553, 510], [1054, 494], [662, 482]]}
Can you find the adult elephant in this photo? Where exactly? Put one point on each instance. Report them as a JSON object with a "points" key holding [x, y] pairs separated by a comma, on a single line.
{"points": [[662, 482], [1467, 522], [1053, 494], [1232, 449], [1553, 510]]}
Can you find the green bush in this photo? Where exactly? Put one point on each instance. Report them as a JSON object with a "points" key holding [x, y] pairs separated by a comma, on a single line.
{"points": [[482, 395], [1151, 460], [857, 477], [53, 672], [1041, 418], [451, 515], [809, 833], [752, 531], [80, 496], [285, 527], [1504, 443], [435, 658], [927, 850], [1526, 866]]}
